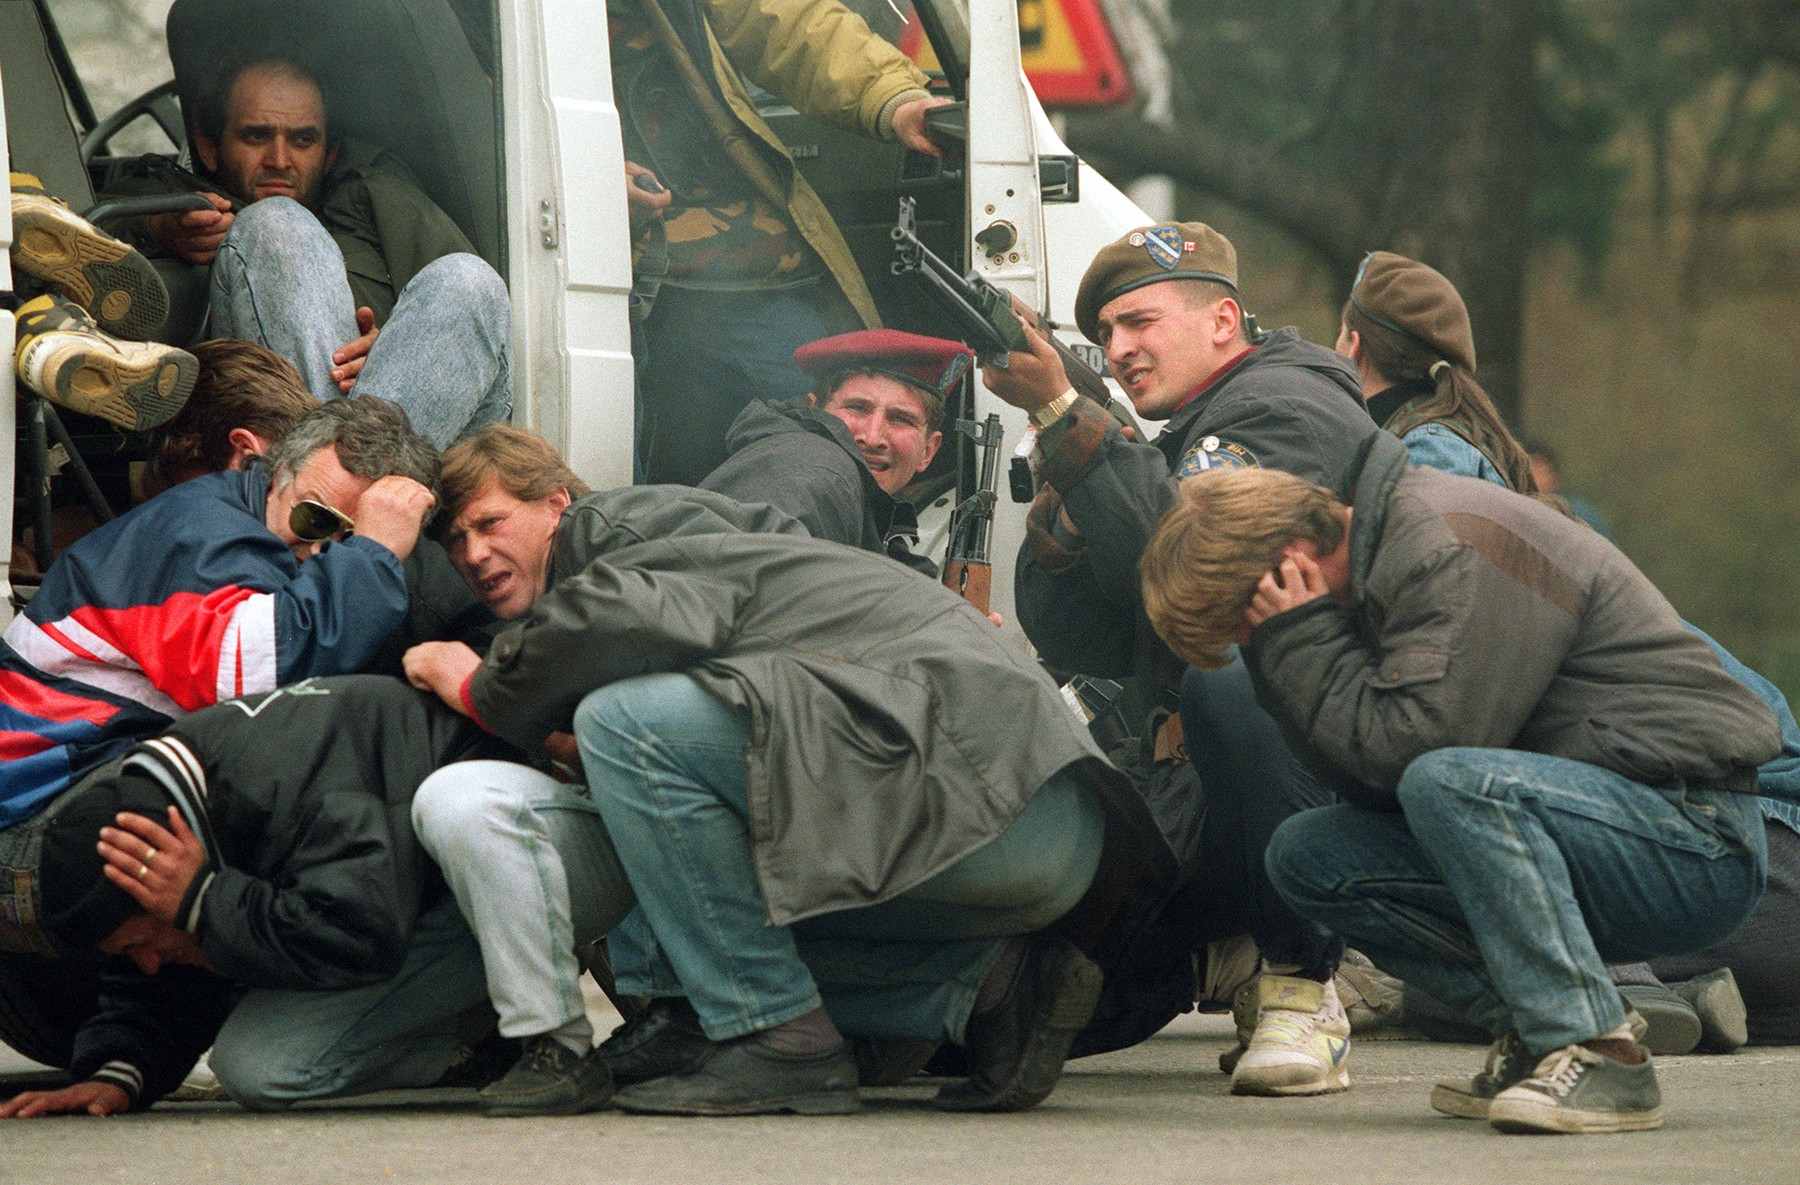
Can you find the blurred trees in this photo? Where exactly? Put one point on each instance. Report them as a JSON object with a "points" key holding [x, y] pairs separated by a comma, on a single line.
{"points": [[1467, 134]]}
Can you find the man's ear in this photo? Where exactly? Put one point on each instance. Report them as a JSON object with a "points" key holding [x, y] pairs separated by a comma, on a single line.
{"points": [[207, 150], [560, 500], [245, 444], [931, 448], [811, 399], [331, 152], [1228, 318]]}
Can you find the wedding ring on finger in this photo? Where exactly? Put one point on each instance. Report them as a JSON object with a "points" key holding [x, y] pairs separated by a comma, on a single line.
{"points": [[143, 871]]}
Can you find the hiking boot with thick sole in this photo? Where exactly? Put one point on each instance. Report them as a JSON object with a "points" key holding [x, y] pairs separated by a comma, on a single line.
{"points": [[745, 1077], [63, 356], [107, 277], [1301, 1044], [1508, 1064], [1017, 1048], [550, 1079], [1577, 1091]]}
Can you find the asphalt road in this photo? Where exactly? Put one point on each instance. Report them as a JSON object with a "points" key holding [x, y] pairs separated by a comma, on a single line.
{"points": [[1156, 1113]]}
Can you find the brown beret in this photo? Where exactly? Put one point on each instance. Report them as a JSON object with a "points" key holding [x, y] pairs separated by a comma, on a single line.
{"points": [[1415, 301], [1172, 251]]}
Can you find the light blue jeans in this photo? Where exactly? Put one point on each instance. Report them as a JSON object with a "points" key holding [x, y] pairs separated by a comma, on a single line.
{"points": [[281, 1046], [444, 354], [534, 873], [665, 761], [1507, 880]]}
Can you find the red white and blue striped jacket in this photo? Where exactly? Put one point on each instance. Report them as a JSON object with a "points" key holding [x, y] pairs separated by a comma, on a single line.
{"points": [[185, 601]]}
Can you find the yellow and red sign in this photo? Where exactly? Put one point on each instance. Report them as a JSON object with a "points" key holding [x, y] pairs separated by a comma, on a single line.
{"points": [[1068, 50]]}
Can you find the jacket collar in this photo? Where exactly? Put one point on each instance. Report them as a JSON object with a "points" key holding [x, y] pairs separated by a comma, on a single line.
{"points": [[1368, 486]]}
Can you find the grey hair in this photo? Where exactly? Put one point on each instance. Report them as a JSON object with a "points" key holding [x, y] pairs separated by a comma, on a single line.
{"points": [[373, 437]]}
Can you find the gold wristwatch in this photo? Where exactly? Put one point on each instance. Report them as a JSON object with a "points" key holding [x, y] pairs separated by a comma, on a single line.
{"points": [[1053, 411]]}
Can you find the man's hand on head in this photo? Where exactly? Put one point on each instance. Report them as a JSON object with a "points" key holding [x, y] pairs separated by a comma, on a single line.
{"points": [[909, 125], [1028, 380], [441, 668], [392, 512], [152, 863], [348, 361], [1296, 581], [89, 1098], [194, 236]]}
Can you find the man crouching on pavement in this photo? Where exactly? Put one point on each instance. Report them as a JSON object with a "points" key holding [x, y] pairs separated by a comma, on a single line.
{"points": [[1540, 769], [844, 804]]}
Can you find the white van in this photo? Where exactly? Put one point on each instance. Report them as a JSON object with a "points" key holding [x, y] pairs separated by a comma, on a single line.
{"points": [[504, 110]]}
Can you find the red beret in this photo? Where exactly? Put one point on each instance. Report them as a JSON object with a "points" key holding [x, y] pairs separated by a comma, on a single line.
{"points": [[929, 363]]}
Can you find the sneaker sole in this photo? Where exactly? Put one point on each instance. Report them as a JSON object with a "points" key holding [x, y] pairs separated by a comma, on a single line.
{"points": [[1450, 1101], [1513, 1115], [1041, 1065], [1336, 1080], [137, 385], [108, 278]]}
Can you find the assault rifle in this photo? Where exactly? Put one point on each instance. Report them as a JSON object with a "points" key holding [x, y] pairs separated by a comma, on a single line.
{"points": [[983, 314], [968, 565], [986, 320]]}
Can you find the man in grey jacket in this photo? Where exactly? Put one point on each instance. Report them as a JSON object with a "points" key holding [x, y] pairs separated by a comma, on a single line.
{"points": [[841, 800], [1541, 766]]}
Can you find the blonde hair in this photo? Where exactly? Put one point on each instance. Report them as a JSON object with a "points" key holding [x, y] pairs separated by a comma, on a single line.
{"points": [[1226, 530], [522, 463]]}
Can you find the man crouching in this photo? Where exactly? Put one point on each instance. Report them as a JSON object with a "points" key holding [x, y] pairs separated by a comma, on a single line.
{"points": [[1540, 769], [845, 806]]}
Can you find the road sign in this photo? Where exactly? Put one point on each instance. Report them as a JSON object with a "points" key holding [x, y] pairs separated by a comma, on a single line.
{"points": [[1067, 48]]}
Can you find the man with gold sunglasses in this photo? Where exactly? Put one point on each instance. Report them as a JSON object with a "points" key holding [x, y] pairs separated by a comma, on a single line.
{"points": [[228, 584]]}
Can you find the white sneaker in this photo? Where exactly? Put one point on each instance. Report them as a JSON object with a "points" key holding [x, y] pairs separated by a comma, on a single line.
{"points": [[1301, 1044]]}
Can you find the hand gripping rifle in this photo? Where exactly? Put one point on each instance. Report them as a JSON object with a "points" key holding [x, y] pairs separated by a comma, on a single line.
{"points": [[986, 320], [968, 567], [983, 314]]}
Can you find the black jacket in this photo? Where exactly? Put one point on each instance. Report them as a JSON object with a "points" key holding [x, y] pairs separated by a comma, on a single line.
{"points": [[314, 879], [1288, 404], [800, 459]]}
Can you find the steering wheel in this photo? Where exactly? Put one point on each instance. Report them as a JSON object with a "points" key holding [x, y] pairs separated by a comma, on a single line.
{"points": [[159, 103]]}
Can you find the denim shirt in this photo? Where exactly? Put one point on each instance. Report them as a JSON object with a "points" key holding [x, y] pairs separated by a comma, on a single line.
{"points": [[1777, 781], [1433, 446]]}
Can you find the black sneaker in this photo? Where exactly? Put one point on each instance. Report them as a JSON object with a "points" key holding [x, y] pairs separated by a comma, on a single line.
{"points": [[1672, 1024], [1017, 1048], [550, 1079], [665, 1038], [745, 1077], [1509, 1063], [1575, 1090]]}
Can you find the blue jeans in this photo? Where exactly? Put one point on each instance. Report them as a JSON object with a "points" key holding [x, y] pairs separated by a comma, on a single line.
{"points": [[705, 356], [1253, 784], [665, 761], [444, 355], [534, 874], [1507, 880], [281, 1046]]}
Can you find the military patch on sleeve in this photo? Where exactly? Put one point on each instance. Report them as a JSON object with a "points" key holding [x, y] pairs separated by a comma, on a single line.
{"points": [[1213, 453]]}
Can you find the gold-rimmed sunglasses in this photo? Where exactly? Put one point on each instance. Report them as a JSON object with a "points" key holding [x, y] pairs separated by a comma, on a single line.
{"points": [[315, 522]]}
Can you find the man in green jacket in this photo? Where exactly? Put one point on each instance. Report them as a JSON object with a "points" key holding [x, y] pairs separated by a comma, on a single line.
{"points": [[844, 804], [1539, 765], [317, 240], [737, 261]]}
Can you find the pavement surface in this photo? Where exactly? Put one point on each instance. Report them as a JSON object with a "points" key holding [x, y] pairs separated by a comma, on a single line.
{"points": [[1159, 1112]]}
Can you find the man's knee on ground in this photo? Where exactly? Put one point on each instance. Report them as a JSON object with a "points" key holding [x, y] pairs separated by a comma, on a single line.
{"points": [[252, 1077]]}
